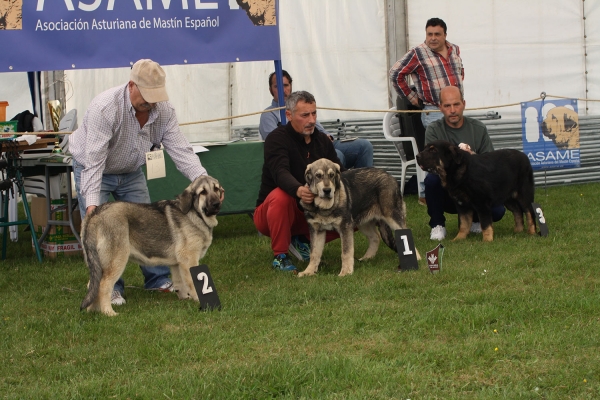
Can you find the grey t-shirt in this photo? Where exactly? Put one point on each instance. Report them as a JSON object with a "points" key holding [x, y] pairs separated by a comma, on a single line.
{"points": [[472, 132]]}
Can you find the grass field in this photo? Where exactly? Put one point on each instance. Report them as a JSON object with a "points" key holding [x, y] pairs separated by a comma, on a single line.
{"points": [[516, 318]]}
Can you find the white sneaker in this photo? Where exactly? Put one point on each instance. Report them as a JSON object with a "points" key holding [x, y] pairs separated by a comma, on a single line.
{"points": [[116, 299], [438, 233], [476, 227], [166, 287]]}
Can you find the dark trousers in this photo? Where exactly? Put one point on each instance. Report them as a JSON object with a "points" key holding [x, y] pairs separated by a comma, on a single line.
{"points": [[439, 202]]}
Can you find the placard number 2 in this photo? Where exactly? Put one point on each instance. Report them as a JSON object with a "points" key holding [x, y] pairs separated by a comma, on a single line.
{"points": [[205, 288], [407, 251]]}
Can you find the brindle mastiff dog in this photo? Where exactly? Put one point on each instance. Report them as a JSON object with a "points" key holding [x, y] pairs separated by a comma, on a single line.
{"points": [[176, 233], [363, 198]]}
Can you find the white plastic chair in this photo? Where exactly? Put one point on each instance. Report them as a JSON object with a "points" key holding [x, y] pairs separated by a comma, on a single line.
{"points": [[390, 119]]}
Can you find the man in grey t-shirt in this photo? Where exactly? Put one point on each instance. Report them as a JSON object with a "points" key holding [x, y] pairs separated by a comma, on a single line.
{"points": [[470, 135]]}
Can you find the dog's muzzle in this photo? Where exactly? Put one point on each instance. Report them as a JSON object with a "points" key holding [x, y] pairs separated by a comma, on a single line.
{"points": [[326, 193], [212, 208]]}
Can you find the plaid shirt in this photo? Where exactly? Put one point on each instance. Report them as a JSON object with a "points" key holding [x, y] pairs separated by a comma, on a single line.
{"points": [[110, 141], [430, 72]]}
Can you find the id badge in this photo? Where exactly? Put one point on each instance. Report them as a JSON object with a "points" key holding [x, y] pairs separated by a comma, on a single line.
{"points": [[155, 164]]}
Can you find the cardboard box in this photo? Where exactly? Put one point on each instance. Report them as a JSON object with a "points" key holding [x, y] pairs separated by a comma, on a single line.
{"points": [[60, 241], [3, 105]]}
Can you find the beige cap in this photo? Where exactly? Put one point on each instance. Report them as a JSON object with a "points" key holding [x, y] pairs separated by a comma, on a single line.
{"points": [[150, 79]]}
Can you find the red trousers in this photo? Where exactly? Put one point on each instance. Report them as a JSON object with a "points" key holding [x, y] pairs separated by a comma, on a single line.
{"points": [[279, 218]]}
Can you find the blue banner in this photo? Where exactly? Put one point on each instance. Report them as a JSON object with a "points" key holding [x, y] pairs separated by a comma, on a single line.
{"points": [[43, 35], [551, 133]]}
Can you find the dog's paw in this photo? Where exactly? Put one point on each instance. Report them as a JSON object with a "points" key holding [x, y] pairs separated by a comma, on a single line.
{"points": [[305, 273], [183, 295]]}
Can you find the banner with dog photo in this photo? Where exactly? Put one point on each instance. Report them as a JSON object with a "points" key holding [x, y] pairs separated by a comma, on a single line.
{"points": [[551, 133], [43, 35]]}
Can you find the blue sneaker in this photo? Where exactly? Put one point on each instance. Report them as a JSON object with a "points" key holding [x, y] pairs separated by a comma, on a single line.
{"points": [[299, 249], [282, 262]]}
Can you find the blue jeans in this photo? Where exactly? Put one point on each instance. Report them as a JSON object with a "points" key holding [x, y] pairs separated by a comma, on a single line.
{"points": [[439, 201], [426, 119], [124, 187], [357, 153]]}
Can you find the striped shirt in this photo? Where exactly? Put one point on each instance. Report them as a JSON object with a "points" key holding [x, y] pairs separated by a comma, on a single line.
{"points": [[110, 141], [430, 73]]}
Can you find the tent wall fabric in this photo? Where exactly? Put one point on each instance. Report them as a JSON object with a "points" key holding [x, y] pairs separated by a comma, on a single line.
{"points": [[337, 49]]}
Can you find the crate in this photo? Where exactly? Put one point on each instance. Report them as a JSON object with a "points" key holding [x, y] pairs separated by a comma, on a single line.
{"points": [[60, 241]]}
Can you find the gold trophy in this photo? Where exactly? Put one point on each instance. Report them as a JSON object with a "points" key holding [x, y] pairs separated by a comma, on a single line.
{"points": [[55, 115]]}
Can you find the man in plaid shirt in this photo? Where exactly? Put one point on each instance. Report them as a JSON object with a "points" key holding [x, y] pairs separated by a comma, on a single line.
{"points": [[432, 66]]}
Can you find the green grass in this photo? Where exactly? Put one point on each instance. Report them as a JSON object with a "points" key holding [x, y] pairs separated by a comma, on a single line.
{"points": [[516, 318]]}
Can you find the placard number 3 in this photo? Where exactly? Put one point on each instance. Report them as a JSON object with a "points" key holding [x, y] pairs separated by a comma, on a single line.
{"points": [[205, 288], [407, 251], [540, 215]]}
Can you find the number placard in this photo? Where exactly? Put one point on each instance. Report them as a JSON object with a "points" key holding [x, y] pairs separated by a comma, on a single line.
{"points": [[205, 288], [406, 250], [541, 219]]}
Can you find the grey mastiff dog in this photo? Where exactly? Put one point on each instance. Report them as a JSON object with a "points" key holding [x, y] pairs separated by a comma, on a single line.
{"points": [[176, 233], [363, 198]]}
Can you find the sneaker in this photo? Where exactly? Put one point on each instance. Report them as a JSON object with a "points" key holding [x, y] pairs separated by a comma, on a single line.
{"points": [[166, 287], [422, 201], [438, 233], [117, 299], [299, 249], [476, 227], [282, 262]]}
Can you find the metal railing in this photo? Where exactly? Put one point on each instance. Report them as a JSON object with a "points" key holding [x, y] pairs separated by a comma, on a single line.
{"points": [[505, 134]]}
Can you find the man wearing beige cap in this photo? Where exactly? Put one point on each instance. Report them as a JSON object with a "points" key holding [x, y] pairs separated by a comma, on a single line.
{"points": [[119, 127]]}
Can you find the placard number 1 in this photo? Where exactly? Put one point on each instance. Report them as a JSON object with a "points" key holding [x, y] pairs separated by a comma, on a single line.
{"points": [[205, 288], [407, 251]]}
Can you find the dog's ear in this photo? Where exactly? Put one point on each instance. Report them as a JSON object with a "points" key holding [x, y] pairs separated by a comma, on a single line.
{"points": [[185, 200], [308, 176], [338, 175], [457, 156]]}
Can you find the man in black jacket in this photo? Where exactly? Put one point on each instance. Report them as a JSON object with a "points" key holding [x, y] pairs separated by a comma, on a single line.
{"points": [[288, 150]]}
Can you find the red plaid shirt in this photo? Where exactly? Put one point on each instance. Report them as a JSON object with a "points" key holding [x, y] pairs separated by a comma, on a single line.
{"points": [[430, 72]]}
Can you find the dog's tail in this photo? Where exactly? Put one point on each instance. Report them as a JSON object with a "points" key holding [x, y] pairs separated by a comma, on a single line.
{"points": [[387, 235], [90, 254]]}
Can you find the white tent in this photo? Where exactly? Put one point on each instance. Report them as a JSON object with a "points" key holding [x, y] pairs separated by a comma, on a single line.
{"points": [[340, 51]]}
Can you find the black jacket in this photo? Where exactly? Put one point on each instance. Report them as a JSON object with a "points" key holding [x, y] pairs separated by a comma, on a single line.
{"points": [[286, 158]]}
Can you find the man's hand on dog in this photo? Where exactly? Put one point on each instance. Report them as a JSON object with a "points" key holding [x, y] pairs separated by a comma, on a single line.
{"points": [[465, 147], [305, 194]]}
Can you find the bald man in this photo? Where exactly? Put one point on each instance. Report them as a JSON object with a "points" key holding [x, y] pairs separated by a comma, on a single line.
{"points": [[470, 135]]}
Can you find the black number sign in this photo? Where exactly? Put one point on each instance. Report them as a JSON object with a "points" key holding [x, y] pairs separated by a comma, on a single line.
{"points": [[406, 250], [205, 287]]}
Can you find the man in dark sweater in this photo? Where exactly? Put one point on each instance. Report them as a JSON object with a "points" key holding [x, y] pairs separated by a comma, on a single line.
{"points": [[288, 150]]}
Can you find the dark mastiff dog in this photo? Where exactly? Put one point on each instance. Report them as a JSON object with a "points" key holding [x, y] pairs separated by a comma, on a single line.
{"points": [[363, 198], [175, 233], [476, 182]]}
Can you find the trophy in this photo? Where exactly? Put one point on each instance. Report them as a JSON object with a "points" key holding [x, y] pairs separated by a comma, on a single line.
{"points": [[55, 114]]}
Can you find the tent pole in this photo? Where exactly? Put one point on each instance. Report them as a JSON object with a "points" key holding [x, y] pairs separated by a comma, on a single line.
{"points": [[279, 77]]}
